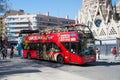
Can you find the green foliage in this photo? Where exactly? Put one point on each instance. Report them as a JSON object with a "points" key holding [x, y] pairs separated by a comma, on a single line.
{"points": [[1, 29]]}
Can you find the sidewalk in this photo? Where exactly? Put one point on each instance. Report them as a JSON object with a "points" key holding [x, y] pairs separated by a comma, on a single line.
{"points": [[108, 58], [34, 73], [45, 73]]}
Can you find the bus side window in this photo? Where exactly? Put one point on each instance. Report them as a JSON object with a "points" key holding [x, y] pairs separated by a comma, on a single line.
{"points": [[55, 48], [26, 46]]}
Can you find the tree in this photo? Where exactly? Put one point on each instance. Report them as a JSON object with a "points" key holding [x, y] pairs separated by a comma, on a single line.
{"points": [[1, 28], [3, 6]]}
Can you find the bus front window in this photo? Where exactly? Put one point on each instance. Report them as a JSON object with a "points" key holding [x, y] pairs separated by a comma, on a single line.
{"points": [[86, 44], [71, 46], [78, 48]]}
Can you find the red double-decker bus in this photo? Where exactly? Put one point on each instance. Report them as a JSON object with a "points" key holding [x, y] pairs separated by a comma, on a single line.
{"points": [[71, 44]]}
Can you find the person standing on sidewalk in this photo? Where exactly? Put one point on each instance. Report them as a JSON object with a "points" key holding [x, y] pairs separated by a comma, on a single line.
{"points": [[4, 52], [98, 53], [114, 52], [11, 52], [5, 48], [20, 46]]}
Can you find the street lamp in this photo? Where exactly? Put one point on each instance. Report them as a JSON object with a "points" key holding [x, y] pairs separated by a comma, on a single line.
{"points": [[118, 32], [107, 33]]}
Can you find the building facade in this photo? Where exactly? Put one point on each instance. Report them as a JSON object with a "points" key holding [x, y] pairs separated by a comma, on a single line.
{"points": [[2, 24], [15, 23], [46, 21], [103, 20], [13, 12], [118, 8]]}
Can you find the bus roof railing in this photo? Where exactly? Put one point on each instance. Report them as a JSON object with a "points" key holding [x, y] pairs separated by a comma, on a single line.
{"points": [[64, 28], [28, 31]]}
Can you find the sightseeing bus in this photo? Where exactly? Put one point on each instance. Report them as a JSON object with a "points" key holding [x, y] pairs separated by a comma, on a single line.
{"points": [[73, 44]]}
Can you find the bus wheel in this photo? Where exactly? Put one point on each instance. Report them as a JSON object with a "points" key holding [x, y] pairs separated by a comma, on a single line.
{"points": [[60, 59], [29, 56]]}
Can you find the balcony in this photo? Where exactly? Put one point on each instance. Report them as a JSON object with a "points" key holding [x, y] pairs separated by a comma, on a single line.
{"points": [[17, 21], [15, 35], [22, 25], [13, 39]]}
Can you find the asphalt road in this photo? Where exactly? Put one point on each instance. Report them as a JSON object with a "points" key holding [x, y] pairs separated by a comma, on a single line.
{"points": [[17, 69]]}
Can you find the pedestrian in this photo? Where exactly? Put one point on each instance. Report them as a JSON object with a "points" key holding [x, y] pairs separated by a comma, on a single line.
{"points": [[20, 46], [4, 52], [11, 52], [114, 52], [1, 43], [98, 53]]}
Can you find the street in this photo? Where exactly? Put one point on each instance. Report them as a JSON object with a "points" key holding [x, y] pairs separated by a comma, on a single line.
{"points": [[17, 69]]}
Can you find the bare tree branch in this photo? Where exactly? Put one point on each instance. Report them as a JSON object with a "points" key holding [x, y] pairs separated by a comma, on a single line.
{"points": [[3, 5]]}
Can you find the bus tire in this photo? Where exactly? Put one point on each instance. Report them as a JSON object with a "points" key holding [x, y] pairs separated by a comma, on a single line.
{"points": [[29, 56], [60, 59]]}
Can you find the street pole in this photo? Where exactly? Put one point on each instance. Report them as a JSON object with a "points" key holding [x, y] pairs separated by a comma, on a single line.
{"points": [[118, 32], [107, 33]]}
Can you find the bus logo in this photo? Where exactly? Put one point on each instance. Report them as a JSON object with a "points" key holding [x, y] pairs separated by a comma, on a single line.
{"points": [[73, 35]]}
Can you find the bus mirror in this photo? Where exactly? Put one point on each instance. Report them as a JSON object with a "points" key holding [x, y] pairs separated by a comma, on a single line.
{"points": [[72, 51]]}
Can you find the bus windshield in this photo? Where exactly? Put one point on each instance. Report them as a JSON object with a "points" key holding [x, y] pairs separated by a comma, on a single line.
{"points": [[77, 48]]}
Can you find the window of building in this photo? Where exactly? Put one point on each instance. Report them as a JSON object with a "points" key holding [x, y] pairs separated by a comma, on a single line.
{"points": [[102, 33], [113, 31]]}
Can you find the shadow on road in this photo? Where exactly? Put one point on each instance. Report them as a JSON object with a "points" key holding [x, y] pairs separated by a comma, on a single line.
{"points": [[4, 61], [10, 72], [101, 63], [51, 64]]}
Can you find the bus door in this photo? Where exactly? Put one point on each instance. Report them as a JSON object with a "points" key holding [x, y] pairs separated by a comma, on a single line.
{"points": [[39, 49], [72, 48], [44, 48], [73, 52]]}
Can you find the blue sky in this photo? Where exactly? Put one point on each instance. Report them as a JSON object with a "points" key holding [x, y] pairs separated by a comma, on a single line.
{"points": [[57, 8]]}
